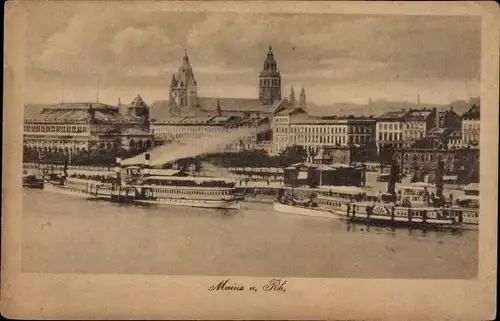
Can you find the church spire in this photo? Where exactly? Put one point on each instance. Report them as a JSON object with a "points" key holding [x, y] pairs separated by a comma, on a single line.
{"points": [[218, 109], [292, 97], [302, 100]]}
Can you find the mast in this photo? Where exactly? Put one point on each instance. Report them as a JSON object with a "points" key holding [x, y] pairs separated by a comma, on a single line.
{"points": [[62, 90], [391, 185], [439, 179], [97, 91]]}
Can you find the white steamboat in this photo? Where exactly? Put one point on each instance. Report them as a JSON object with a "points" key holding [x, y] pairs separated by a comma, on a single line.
{"points": [[180, 191]]}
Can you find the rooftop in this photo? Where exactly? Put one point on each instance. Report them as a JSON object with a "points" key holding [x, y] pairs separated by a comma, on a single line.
{"points": [[418, 114], [77, 114], [473, 113], [138, 102], [393, 115], [79, 105]]}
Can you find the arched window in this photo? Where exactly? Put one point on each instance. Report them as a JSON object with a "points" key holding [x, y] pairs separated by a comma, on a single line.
{"points": [[132, 144]]}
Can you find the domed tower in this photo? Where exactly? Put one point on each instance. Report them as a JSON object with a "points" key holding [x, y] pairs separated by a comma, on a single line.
{"points": [[270, 80], [183, 88]]}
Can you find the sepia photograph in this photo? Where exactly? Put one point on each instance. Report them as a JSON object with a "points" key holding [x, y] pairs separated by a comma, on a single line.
{"points": [[176, 140]]}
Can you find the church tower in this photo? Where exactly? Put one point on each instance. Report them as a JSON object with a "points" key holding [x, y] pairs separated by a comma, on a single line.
{"points": [[183, 88], [270, 80]]}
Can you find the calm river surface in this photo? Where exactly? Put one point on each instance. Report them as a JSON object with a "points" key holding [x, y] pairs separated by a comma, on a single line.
{"points": [[64, 234]]}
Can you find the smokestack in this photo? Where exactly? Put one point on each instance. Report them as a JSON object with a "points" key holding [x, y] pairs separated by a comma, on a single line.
{"points": [[391, 185], [437, 117], [118, 170], [439, 179], [146, 164]]}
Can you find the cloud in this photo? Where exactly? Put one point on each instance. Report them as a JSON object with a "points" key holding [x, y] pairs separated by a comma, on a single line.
{"points": [[132, 38], [134, 50]]}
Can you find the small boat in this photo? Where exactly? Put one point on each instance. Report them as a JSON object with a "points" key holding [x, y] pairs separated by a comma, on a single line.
{"points": [[286, 203], [32, 181], [302, 210], [79, 187]]}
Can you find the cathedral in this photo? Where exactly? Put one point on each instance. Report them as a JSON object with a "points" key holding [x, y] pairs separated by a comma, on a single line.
{"points": [[184, 100]]}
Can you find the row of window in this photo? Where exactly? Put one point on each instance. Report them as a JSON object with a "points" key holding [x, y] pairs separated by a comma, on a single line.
{"points": [[56, 128], [414, 134], [399, 126], [57, 142], [187, 129], [191, 192], [389, 136], [318, 140], [467, 126], [319, 130], [390, 126], [269, 82], [427, 157], [470, 138]]}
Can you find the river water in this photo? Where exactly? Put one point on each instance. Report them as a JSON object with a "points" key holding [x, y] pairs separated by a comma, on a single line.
{"points": [[64, 234]]}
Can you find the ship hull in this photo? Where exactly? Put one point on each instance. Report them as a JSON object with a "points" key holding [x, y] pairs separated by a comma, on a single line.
{"points": [[289, 209], [217, 204], [399, 216], [74, 192]]}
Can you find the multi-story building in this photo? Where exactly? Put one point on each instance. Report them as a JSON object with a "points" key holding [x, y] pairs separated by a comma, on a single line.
{"points": [[70, 128], [417, 123], [454, 139], [443, 133], [293, 126], [471, 126], [389, 129]]}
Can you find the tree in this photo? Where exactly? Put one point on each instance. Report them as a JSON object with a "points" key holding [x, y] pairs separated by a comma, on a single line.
{"points": [[312, 153], [292, 155]]}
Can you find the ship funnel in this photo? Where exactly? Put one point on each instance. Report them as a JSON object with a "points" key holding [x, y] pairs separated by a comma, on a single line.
{"points": [[391, 185], [118, 169], [439, 179], [147, 162]]}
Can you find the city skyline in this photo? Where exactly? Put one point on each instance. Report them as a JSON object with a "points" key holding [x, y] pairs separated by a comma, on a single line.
{"points": [[337, 58]]}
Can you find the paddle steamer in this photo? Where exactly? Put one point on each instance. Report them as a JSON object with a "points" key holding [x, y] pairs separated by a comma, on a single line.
{"points": [[139, 187], [417, 205], [134, 184]]}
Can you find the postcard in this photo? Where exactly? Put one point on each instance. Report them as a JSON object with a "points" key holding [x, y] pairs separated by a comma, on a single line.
{"points": [[250, 160]]}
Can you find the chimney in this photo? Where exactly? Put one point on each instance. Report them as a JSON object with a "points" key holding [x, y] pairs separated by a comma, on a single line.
{"points": [[118, 170], [391, 185], [436, 112], [439, 178], [146, 164]]}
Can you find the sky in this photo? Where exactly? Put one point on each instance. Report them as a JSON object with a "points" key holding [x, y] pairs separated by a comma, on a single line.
{"points": [[72, 49]]}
